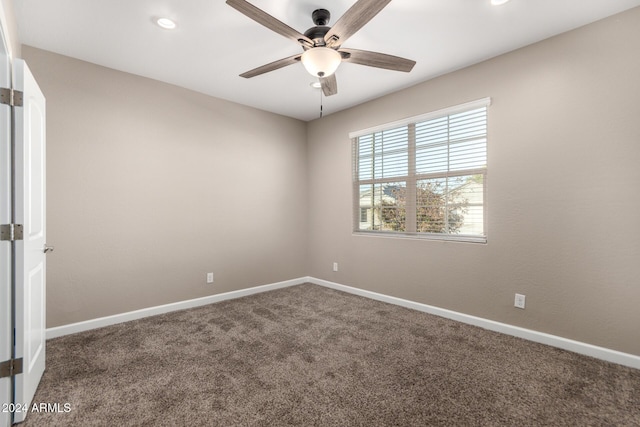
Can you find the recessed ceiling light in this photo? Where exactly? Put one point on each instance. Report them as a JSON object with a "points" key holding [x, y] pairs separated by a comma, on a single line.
{"points": [[498, 2], [166, 23], [315, 85]]}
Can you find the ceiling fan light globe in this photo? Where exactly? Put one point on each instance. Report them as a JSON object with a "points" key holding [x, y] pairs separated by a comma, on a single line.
{"points": [[321, 61]]}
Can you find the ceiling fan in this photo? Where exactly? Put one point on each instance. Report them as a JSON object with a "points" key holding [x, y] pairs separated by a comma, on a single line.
{"points": [[322, 44]]}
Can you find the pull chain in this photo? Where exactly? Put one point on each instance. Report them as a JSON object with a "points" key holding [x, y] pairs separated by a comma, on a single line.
{"points": [[320, 100]]}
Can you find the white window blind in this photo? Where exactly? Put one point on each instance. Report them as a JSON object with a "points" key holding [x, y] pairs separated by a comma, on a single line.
{"points": [[424, 176]]}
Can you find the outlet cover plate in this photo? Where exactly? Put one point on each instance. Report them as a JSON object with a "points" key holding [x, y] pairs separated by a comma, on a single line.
{"points": [[519, 301]]}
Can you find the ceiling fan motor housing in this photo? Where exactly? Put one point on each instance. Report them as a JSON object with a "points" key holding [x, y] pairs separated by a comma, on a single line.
{"points": [[317, 34]]}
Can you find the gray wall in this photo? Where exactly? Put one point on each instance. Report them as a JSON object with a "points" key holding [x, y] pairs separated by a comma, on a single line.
{"points": [[563, 196], [151, 186]]}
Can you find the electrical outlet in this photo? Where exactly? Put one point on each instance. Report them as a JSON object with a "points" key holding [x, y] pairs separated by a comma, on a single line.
{"points": [[519, 302], [209, 277], [335, 266]]}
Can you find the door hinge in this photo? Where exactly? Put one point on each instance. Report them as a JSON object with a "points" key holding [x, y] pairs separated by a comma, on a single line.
{"points": [[11, 232], [10, 368], [10, 97]]}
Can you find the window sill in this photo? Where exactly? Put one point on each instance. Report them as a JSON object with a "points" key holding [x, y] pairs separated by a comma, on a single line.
{"points": [[422, 236]]}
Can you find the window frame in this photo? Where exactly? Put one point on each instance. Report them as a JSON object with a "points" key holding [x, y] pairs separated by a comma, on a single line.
{"points": [[412, 178]]}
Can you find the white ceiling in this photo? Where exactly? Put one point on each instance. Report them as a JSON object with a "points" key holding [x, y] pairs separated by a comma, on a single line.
{"points": [[213, 42]]}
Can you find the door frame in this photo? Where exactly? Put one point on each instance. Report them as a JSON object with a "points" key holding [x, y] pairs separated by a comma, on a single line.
{"points": [[7, 349]]}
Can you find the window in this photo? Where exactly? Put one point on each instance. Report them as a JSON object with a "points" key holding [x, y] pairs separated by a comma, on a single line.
{"points": [[425, 176]]}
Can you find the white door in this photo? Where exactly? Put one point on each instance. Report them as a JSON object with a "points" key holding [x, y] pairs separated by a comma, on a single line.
{"points": [[30, 209], [5, 246]]}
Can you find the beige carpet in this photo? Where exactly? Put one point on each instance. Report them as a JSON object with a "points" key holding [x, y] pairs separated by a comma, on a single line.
{"points": [[311, 356]]}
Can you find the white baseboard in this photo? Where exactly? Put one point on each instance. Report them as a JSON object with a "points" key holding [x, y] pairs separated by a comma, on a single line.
{"points": [[152, 311], [602, 353]]}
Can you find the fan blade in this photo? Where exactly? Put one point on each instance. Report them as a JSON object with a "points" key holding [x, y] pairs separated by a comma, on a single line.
{"points": [[353, 19], [272, 66], [376, 59], [261, 17], [329, 85]]}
